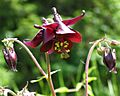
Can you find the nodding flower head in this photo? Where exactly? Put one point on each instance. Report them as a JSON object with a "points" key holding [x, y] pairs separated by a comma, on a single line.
{"points": [[10, 57], [109, 59], [56, 36]]}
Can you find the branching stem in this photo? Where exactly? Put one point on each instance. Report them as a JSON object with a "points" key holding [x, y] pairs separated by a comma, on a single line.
{"points": [[88, 60]]}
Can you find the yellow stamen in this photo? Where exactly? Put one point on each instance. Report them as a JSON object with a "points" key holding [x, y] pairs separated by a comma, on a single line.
{"points": [[65, 46], [65, 42], [62, 47], [67, 50], [57, 44], [61, 44], [55, 48]]}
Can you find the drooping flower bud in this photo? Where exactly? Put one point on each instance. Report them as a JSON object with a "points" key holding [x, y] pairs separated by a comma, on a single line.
{"points": [[10, 57], [115, 42], [109, 59]]}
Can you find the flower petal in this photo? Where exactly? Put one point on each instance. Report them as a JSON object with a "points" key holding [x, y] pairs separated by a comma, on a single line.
{"points": [[46, 46], [36, 40], [38, 26], [51, 50], [10, 57], [74, 37], [108, 59], [73, 20], [48, 35], [63, 29], [53, 25]]}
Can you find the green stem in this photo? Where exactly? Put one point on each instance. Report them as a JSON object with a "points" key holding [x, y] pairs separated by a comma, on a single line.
{"points": [[49, 75], [87, 62], [29, 52]]}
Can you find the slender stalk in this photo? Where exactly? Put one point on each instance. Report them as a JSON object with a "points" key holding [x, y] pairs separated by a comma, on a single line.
{"points": [[6, 91], [87, 62], [29, 52], [49, 75]]}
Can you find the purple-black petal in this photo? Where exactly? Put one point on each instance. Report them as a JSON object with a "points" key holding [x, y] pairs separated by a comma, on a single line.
{"points": [[10, 58], [73, 20], [48, 35], [46, 46], [36, 40], [109, 59], [74, 37]]}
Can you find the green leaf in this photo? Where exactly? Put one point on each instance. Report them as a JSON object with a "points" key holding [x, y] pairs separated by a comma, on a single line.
{"points": [[79, 85], [62, 90], [90, 92], [41, 78], [90, 79], [33, 81]]}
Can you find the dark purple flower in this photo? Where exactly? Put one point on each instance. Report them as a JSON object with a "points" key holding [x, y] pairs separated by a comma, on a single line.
{"points": [[10, 57], [57, 36], [109, 59]]}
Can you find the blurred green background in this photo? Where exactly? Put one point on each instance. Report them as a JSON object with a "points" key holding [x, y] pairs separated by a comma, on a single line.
{"points": [[17, 18]]}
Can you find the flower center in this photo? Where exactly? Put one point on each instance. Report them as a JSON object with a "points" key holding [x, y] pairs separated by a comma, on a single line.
{"points": [[62, 47]]}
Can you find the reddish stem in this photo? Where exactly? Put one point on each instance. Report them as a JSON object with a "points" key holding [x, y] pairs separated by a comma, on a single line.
{"points": [[87, 62], [49, 75]]}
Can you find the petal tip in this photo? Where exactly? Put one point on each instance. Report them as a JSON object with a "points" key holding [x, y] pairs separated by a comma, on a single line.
{"points": [[38, 26], [28, 43], [83, 12]]}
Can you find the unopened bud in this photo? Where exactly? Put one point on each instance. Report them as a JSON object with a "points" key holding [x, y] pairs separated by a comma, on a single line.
{"points": [[10, 57], [115, 42], [109, 59]]}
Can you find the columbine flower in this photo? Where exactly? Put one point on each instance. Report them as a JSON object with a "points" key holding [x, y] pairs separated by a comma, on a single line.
{"points": [[109, 58], [10, 57], [56, 36]]}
